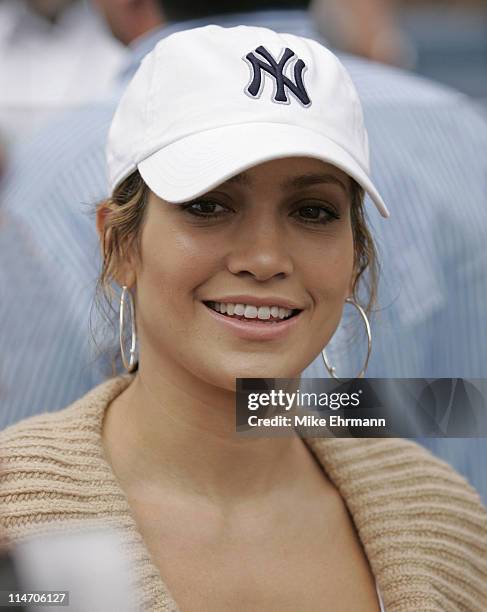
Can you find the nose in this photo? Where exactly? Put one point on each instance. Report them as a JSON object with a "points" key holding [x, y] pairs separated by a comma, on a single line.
{"points": [[259, 249]]}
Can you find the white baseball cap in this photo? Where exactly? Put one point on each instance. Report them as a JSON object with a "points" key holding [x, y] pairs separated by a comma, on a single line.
{"points": [[209, 103]]}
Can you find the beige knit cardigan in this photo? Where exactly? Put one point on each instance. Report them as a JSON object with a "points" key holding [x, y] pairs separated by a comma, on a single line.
{"points": [[423, 528]]}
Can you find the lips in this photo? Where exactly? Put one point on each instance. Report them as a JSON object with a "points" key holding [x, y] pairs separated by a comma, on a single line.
{"points": [[255, 329]]}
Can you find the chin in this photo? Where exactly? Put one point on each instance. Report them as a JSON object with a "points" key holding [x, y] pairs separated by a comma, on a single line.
{"points": [[227, 379]]}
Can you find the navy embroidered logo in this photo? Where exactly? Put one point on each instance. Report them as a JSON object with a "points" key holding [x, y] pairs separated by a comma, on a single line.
{"points": [[282, 83]]}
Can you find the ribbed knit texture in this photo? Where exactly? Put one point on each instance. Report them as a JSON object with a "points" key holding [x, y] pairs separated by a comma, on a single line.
{"points": [[423, 528]]}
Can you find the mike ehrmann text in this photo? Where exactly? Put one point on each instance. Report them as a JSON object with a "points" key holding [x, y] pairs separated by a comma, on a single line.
{"points": [[334, 420]]}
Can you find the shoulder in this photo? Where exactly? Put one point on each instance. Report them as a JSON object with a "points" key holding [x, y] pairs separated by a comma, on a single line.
{"points": [[62, 157], [395, 470], [52, 467], [382, 82], [392, 95], [51, 425]]}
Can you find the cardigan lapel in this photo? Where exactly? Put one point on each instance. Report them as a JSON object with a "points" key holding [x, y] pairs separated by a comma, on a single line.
{"points": [[383, 483]]}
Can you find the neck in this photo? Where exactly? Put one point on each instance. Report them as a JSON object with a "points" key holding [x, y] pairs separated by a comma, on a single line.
{"points": [[141, 22], [169, 431]]}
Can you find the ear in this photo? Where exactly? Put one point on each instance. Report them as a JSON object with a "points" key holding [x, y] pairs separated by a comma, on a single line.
{"points": [[101, 213], [125, 274]]}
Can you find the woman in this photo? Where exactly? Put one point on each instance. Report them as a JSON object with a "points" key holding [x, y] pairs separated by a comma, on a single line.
{"points": [[238, 162]]}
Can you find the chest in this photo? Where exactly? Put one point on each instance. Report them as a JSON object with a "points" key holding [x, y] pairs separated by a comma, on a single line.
{"points": [[293, 562]]}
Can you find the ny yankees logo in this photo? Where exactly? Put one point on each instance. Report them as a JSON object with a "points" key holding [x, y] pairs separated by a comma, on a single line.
{"points": [[276, 70]]}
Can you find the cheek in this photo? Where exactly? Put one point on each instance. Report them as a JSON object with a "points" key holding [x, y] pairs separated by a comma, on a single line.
{"points": [[173, 264], [328, 282], [329, 269]]}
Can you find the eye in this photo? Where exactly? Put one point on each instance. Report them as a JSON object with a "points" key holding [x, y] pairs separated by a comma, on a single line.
{"points": [[317, 214], [204, 209]]}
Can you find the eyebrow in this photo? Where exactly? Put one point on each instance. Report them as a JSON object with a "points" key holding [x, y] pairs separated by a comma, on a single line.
{"points": [[242, 179], [295, 182], [308, 180]]}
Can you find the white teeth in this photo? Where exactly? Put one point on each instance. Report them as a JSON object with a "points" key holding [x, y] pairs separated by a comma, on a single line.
{"points": [[249, 311]]}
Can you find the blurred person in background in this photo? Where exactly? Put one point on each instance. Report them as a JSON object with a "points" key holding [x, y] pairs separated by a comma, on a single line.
{"points": [[450, 42], [429, 160], [52, 10], [367, 28], [441, 39], [130, 20], [54, 55]]}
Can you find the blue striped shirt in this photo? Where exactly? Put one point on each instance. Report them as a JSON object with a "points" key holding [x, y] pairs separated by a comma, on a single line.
{"points": [[429, 161]]}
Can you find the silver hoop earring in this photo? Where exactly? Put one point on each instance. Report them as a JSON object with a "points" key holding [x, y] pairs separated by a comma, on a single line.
{"points": [[130, 364], [332, 369]]}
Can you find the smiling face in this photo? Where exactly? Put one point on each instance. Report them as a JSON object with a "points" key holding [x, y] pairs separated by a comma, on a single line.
{"points": [[276, 236]]}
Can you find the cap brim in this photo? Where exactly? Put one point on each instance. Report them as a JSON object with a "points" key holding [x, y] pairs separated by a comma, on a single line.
{"points": [[192, 166]]}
